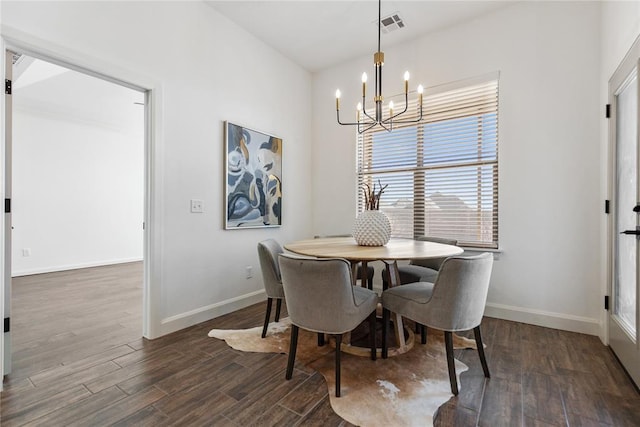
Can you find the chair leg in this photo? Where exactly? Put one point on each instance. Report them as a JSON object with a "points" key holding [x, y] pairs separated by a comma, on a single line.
{"points": [[372, 334], [338, 342], [320, 339], [385, 279], [448, 343], [293, 346], [422, 330], [483, 359], [385, 332], [278, 307], [267, 317]]}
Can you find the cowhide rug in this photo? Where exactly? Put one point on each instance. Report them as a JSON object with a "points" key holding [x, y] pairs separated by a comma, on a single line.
{"points": [[404, 390]]}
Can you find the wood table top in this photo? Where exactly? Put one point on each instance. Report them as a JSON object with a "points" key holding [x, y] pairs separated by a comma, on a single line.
{"points": [[395, 249]]}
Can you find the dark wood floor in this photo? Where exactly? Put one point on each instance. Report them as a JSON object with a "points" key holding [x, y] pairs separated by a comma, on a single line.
{"points": [[79, 360]]}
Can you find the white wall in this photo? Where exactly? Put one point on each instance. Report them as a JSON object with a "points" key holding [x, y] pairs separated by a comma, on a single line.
{"points": [[203, 70], [77, 193], [550, 208], [620, 27]]}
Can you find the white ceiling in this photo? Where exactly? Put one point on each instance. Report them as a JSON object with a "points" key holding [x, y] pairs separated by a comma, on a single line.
{"points": [[319, 34], [58, 92]]}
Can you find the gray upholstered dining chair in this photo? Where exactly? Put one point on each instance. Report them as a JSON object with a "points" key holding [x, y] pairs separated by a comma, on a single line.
{"points": [[268, 251], [455, 302], [321, 298], [420, 270]]}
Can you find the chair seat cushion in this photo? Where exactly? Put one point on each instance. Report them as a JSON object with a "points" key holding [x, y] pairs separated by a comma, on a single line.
{"points": [[408, 299], [416, 273]]}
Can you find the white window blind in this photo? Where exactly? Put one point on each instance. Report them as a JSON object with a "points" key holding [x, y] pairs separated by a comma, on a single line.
{"points": [[442, 173]]}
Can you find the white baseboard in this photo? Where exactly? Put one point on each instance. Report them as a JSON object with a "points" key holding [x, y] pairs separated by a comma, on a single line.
{"points": [[52, 269], [199, 315], [565, 322]]}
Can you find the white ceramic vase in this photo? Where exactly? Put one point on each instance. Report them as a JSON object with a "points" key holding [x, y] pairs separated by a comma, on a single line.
{"points": [[372, 228]]}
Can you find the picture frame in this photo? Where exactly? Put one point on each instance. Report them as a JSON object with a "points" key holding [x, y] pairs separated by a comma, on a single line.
{"points": [[253, 178]]}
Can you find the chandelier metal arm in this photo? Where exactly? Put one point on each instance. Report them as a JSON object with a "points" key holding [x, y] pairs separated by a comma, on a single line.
{"points": [[416, 120], [371, 125], [345, 123], [364, 111]]}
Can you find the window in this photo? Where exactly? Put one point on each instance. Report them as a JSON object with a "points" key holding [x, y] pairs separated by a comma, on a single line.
{"points": [[442, 173]]}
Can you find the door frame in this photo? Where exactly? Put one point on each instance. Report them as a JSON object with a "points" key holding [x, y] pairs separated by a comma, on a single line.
{"points": [[630, 60], [42, 49]]}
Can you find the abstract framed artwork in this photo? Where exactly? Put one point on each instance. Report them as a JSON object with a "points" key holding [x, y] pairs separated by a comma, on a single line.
{"points": [[253, 169]]}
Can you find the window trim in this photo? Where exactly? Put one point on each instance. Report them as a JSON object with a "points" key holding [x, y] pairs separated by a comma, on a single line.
{"points": [[420, 216]]}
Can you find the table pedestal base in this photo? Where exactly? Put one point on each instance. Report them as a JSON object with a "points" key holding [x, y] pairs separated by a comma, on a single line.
{"points": [[393, 351]]}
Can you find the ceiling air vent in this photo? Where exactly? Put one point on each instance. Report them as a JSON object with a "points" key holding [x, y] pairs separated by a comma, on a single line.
{"points": [[391, 22]]}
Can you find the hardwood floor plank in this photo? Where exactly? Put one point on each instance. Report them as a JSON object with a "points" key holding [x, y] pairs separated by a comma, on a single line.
{"points": [[152, 376], [260, 375], [148, 416], [131, 371], [502, 404], [81, 409], [542, 398], [624, 411], [22, 414], [250, 409], [581, 396], [198, 373], [121, 409], [194, 406], [61, 371], [532, 422], [451, 414], [142, 355], [307, 396], [278, 416], [505, 362], [323, 416], [82, 376]]}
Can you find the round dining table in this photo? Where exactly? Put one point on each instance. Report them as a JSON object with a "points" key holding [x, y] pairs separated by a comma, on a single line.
{"points": [[395, 250]]}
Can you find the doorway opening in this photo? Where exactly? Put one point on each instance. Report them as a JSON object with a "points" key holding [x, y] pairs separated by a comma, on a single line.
{"points": [[78, 193]]}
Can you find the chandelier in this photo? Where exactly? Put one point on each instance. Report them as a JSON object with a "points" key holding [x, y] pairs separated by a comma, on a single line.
{"points": [[365, 121]]}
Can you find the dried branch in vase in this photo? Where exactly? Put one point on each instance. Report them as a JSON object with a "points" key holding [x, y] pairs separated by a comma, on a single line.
{"points": [[371, 197]]}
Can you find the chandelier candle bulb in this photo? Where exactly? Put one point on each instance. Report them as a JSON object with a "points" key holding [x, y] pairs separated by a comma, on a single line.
{"points": [[420, 90], [337, 99], [406, 82], [364, 84], [390, 108]]}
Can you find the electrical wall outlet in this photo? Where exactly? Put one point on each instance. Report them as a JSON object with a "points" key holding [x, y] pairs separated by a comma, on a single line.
{"points": [[197, 206], [248, 272], [26, 252]]}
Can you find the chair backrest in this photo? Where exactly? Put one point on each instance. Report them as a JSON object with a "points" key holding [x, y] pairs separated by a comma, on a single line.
{"points": [[268, 251], [460, 292], [433, 263], [319, 293]]}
